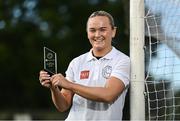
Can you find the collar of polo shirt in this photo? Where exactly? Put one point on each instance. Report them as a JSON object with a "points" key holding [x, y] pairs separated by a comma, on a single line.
{"points": [[108, 56]]}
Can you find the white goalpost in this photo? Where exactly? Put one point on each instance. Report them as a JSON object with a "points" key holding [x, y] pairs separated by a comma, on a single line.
{"points": [[137, 103], [155, 59]]}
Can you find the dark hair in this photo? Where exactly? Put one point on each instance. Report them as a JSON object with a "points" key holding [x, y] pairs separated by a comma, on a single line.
{"points": [[103, 13]]}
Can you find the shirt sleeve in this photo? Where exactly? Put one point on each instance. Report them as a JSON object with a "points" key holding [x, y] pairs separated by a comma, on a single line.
{"points": [[122, 71], [69, 72]]}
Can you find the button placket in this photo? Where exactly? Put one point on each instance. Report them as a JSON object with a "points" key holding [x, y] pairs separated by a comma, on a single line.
{"points": [[96, 70]]}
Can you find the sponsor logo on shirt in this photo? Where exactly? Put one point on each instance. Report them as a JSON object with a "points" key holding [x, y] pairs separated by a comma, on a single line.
{"points": [[84, 74]]}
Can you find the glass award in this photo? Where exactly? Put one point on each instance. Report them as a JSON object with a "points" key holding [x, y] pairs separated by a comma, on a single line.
{"points": [[50, 61]]}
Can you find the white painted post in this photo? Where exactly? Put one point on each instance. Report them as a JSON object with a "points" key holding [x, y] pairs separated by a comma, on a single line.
{"points": [[137, 102]]}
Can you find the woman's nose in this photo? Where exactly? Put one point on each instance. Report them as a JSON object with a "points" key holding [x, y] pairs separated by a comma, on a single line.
{"points": [[97, 34]]}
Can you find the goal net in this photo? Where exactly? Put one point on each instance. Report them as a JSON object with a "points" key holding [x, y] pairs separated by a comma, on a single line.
{"points": [[162, 59]]}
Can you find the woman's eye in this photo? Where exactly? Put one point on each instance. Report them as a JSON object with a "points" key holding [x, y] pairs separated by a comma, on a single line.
{"points": [[102, 30], [92, 30]]}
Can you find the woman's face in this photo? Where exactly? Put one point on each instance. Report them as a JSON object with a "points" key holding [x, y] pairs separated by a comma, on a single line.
{"points": [[100, 32]]}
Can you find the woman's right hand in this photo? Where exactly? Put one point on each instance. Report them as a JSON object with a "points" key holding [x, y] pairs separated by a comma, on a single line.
{"points": [[44, 79]]}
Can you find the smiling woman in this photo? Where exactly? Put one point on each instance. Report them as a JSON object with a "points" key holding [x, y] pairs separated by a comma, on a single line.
{"points": [[32, 24], [96, 82]]}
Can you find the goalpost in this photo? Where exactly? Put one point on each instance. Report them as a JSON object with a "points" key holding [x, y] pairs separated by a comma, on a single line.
{"points": [[137, 103], [155, 59]]}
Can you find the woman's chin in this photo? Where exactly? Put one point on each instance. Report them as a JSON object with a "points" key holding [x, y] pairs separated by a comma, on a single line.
{"points": [[98, 48]]}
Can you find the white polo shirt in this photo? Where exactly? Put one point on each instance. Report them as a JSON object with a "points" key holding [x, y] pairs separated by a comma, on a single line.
{"points": [[89, 71]]}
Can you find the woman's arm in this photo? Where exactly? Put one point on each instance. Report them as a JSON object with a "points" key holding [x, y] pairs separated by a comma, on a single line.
{"points": [[61, 99], [108, 93]]}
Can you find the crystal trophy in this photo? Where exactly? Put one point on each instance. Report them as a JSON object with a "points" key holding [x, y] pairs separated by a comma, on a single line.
{"points": [[50, 61]]}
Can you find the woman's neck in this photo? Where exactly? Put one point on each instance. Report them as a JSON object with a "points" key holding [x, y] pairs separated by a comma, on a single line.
{"points": [[101, 53]]}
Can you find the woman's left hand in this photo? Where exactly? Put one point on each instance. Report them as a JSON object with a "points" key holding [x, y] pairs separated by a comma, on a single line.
{"points": [[60, 80]]}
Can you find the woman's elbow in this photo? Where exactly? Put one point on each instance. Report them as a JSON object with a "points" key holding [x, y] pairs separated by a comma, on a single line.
{"points": [[62, 109], [110, 100]]}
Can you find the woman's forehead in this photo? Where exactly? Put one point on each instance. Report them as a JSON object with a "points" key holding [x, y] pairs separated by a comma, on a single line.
{"points": [[98, 21]]}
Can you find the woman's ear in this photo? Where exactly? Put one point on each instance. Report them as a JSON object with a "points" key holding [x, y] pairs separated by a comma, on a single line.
{"points": [[114, 32]]}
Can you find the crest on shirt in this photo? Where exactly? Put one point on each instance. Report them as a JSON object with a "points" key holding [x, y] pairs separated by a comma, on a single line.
{"points": [[106, 71], [84, 74]]}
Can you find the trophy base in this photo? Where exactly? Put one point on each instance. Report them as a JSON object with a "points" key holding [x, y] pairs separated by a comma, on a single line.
{"points": [[50, 73]]}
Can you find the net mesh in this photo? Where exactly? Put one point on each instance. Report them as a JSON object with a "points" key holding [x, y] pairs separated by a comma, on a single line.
{"points": [[162, 57]]}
